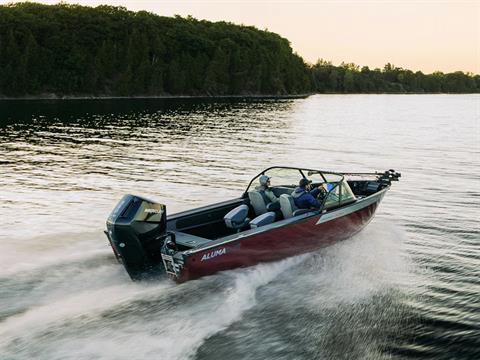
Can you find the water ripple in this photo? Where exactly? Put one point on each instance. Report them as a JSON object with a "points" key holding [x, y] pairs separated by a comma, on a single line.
{"points": [[406, 287]]}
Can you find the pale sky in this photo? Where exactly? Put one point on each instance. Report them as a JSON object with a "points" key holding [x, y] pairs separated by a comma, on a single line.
{"points": [[418, 35]]}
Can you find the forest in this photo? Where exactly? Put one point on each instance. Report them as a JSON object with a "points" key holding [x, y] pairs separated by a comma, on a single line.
{"points": [[350, 78], [73, 50]]}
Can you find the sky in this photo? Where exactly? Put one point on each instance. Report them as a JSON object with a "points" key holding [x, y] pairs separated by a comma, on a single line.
{"points": [[418, 35]]}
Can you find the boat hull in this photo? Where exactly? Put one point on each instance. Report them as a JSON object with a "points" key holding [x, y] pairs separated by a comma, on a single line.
{"points": [[304, 235]]}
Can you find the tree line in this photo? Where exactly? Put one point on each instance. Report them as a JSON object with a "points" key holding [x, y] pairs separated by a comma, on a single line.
{"points": [[350, 78], [76, 50]]}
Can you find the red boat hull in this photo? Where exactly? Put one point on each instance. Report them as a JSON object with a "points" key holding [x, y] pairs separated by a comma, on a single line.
{"points": [[295, 238]]}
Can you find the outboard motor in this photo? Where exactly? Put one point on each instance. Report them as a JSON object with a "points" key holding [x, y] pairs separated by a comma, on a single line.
{"points": [[136, 229]]}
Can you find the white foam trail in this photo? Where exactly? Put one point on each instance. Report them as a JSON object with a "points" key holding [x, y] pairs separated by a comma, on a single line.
{"points": [[87, 303], [178, 331], [36, 257]]}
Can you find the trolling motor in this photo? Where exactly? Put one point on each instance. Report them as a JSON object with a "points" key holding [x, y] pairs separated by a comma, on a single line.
{"points": [[136, 230], [388, 176], [383, 179]]}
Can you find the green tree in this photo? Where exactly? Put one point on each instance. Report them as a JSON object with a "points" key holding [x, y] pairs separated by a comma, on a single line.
{"points": [[348, 82]]}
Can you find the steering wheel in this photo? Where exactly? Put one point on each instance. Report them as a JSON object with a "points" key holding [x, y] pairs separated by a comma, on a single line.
{"points": [[322, 193]]}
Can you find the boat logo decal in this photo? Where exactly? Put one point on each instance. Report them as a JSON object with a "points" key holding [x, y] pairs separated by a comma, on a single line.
{"points": [[214, 253], [153, 211]]}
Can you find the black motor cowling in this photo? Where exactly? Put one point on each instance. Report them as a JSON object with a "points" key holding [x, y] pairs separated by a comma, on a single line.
{"points": [[136, 229]]}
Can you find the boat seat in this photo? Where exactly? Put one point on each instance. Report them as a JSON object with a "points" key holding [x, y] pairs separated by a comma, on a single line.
{"points": [[258, 201], [261, 204], [264, 219], [288, 208], [237, 218]]}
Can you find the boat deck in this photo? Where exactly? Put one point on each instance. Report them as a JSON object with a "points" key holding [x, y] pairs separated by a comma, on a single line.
{"points": [[188, 240]]}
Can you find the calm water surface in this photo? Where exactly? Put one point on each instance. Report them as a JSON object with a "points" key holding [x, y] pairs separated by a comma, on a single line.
{"points": [[406, 287]]}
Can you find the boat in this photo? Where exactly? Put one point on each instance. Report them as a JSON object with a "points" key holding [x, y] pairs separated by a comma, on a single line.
{"points": [[246, 230]]}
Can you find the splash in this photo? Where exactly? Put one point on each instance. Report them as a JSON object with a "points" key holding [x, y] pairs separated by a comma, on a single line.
{"points": [[178, 333], [111, 320], [374, 261]]}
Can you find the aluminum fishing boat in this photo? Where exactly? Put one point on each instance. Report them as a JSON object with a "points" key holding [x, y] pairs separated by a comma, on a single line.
{"points": [[246, 230]]}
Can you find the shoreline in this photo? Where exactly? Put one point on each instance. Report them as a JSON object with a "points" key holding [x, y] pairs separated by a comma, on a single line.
{"points": [[199, 97], [148, 97]]}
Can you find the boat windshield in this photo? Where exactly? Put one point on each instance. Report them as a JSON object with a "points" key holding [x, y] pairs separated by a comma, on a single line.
{"points": [[318, 178], [339, 195], [290, 177], [284, 177], [339, 192]]}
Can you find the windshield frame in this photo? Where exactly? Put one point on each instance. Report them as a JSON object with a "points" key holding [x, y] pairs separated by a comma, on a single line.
{"points": [[302, 173]]}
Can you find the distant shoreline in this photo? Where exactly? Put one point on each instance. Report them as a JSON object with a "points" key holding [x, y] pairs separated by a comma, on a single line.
{"points": [[206, 97], [147, 97]]}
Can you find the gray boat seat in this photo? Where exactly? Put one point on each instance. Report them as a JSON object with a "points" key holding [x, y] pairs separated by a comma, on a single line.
{"points": [[258, 202], [288, 208], [237, 218], [264, 219]]}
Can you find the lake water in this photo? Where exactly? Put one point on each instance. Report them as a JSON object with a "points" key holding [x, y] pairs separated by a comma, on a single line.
{"points": [[406, 287]]}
